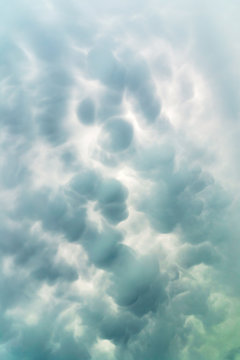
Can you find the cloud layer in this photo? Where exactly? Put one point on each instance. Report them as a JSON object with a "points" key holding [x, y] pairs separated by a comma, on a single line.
{"points": [[119, 181]]}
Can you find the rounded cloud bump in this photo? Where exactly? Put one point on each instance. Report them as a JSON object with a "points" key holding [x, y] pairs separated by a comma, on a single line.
{"points": [[117, 135]]}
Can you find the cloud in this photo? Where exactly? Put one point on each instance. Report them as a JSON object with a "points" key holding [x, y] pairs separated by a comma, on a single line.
{"points": [[86, 111], [142, 88], [119, 181], [117, 135], [103, 66]]}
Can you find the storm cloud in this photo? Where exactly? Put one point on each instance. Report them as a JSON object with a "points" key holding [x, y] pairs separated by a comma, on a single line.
{"points": [[119, 180]]}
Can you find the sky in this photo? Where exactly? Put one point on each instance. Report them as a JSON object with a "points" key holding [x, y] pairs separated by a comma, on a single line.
{"points": [[119, 180]]}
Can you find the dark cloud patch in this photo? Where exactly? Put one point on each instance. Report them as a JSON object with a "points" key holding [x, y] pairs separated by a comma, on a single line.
{"points": [[14, 237], [162, 336], [136, 282], [50, 271], [117, 135], [103, 247], [104, 66], [184, 198], [138, 74], [14, 290], [156, 161], [138, 285], [16, 113], [34, 254], [114, 212], [110, 104], [54, 212], [86, 111], [161, 209], [69, 346], [192, 302], [111, 201], [39, 45], [112, 191], [52, 104], [13, 171], [200, 254], [16, 102], [121, 329], [6, 330], [87, 184], [148, 103], [232, 355], [44, 340], [142, 88], [69, 160], [73, 224]]}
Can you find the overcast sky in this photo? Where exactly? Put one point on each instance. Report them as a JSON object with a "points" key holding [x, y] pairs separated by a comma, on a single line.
{"points": [[119, 180]]}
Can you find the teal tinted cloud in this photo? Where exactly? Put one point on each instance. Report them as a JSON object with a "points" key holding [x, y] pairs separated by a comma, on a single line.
{"points": [[119, 181]]}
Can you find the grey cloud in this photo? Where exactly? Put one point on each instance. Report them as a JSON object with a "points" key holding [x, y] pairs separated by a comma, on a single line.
{"points": [[86, 184], [162, 336], [192, 302], [103, 65], [13, 171], [45, 340], [159, 160], [53, 95], [200, 254], [111, 201], [120, 329], [51, 272], [151, 301], [186, 197], [110, 104], [138, 285], [232, 354], [33, 253], [86, 111], [141, 86], [69, 160], [16, 115], [13, 291], [114, 212], [6, 330], [103, 247], [112, 191], [117, 135], [218, 66], [54, 211]]}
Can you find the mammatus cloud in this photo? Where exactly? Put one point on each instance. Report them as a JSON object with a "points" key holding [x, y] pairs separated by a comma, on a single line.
{"points": [[119, 181]]}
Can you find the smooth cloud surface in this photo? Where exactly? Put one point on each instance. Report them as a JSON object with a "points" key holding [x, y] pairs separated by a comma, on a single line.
{"points": [[119, 180]]}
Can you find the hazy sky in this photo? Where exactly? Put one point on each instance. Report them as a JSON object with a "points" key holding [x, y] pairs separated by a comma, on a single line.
{"points": [[119, 180]]}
